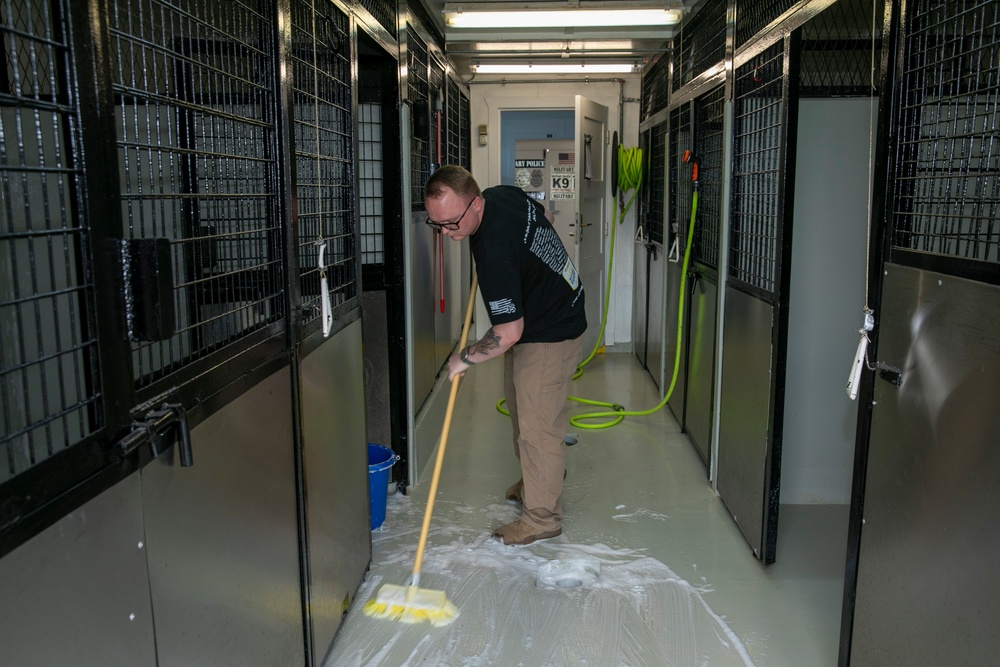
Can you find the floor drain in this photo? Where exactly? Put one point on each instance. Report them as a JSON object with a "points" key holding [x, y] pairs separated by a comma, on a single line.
{"points": [[570, 440], [568, 573]]}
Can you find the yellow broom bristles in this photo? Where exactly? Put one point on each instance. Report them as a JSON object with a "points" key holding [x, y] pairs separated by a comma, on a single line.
{"points": [[410, 604]]}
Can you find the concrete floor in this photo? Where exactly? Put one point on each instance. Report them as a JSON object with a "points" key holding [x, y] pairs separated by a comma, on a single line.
{"points": [[666, 577]]}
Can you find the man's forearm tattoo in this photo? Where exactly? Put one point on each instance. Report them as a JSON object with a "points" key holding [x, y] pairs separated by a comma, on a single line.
{"points": [[490, 341]]}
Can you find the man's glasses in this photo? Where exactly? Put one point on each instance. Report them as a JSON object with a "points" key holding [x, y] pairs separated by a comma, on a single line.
{"points": [[453, 225]]}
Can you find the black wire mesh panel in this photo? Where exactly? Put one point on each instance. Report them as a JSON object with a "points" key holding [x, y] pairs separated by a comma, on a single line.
{"points": [[439, 128], [752, 16], [655, 87], [709, 118], [420, 149], [453, 121], [841, 49], [464, 133], [50, 389], [384, 12], [946, 180], [757, 146], [701, 42], [642, 215], [435, 80], [370, 174], [418, 13], [195, 92], [324, 130], [656, 183], [680, 174]]}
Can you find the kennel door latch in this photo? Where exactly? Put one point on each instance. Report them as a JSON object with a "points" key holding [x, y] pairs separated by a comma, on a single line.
{"points": [[889, 373], [160, 428]]}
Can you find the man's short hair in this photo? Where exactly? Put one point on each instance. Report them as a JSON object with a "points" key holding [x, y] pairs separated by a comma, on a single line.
{"points": [[455, 178]]}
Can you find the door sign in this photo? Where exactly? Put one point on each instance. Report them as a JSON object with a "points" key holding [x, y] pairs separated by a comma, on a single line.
{"points": [[563, 185]]}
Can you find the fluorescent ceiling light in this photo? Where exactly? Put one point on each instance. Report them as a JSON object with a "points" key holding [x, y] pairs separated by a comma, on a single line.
{"points": [[469, 17], [554, 68]]}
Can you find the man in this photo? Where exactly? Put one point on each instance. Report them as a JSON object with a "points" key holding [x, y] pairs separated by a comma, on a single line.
{"points": [[536, 307]]}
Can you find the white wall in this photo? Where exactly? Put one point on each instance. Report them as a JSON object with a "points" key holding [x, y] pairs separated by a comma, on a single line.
{"points": [[827, 294], [487, 100]]}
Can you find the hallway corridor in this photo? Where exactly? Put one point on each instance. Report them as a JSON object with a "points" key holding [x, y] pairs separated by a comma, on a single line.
{"points": [[667, 578]]}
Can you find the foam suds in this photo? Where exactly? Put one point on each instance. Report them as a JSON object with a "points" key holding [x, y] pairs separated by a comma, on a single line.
{"points": [[628, 609], [571, 573], [632, 517]]}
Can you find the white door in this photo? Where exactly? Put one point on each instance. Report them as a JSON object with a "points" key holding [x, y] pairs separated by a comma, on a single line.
{"points": [[591, 188]]}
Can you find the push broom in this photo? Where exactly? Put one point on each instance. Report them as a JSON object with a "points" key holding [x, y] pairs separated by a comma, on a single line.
{"points": [[412, 604]]}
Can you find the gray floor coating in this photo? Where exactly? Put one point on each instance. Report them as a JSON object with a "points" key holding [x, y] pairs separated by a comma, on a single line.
{"points": [[675, 584]]}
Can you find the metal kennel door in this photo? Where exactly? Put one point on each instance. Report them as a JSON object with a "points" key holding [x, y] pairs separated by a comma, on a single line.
{"points": [[927, 573], [756, 284]]}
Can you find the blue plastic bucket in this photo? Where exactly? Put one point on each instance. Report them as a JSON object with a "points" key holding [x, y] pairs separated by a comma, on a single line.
{"points": [[380, 459]]}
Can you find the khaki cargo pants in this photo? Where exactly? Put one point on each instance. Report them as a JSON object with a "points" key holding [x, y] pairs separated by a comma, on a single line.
{"points": [[536, 384]]}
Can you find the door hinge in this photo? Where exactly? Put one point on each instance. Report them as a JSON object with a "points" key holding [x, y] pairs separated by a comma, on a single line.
{"points": [[159, 428]]}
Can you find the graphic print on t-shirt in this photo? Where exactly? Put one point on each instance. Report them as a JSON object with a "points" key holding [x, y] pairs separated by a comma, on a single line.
{"points": [[502, 307], [548, 247], [524, 269]]}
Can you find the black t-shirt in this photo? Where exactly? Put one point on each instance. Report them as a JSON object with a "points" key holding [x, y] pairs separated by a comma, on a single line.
{"points": [[524, 270]]}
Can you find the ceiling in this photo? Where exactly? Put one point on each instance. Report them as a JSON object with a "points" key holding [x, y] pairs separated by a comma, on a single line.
{"points": [[537, 44]]}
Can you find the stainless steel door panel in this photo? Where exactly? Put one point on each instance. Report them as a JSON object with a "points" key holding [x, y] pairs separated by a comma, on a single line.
{"points": [[222, 538], [336, 471], [744, 421], [423, 307], [701, 369], [376, 353], [928, 590], [447, 324], [640, 313], [676, 401], [78, 593], [657, 309]]}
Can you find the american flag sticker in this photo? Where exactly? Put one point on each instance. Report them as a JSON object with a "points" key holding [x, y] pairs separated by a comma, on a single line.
{"points": [[567, 158], [502, 307]]}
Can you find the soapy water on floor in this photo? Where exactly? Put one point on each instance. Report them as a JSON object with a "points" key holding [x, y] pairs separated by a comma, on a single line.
{"points": [[633, 517], [553, 603]]}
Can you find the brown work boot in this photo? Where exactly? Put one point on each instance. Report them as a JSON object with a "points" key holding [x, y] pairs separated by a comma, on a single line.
{"points": [[519, 532], [514, 494]]}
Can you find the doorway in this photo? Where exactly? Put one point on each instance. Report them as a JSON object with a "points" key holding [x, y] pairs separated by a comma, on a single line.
{"points": [[380, 209], [527, 124]]}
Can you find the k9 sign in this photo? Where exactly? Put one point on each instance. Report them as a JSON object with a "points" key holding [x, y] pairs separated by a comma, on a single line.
{"points": [[563, 183]]}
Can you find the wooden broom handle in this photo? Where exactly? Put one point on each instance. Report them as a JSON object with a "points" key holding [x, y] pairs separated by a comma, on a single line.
{"points": [[419, 561]]}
